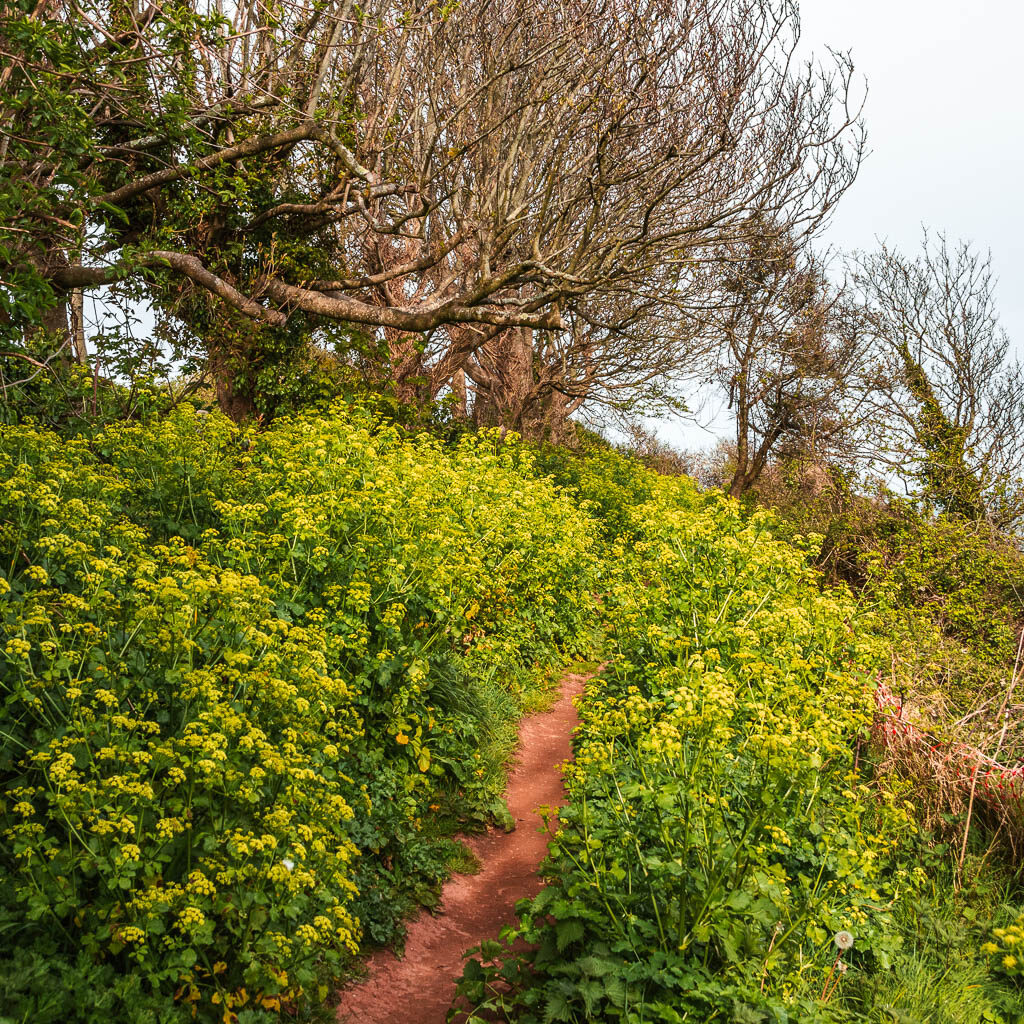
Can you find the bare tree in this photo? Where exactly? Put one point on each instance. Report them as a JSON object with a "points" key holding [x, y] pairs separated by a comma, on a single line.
{"points": [[620, 355], [673, 148], [787, 352], [406, 167], [948, 398], [207, 152], [629, 331]]}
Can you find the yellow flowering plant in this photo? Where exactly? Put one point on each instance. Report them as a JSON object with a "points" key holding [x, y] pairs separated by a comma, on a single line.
{"points": [[253, 679], [718, 832], [1006, 948], [238, 669]]}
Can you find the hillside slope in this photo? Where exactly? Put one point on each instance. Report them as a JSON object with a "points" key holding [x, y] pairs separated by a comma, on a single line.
{"points": [[254, 682]]}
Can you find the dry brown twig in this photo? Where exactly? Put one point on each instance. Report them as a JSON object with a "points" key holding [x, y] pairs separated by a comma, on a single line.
{"points": [[1001, 716], [958, 764]]}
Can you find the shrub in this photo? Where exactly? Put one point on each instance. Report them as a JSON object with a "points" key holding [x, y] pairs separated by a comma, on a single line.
{"points": [[237, 677], [718, 832], [949, 595]]}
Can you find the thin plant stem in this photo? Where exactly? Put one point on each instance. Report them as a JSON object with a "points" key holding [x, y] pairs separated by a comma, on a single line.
{"points": [[958, 880]]}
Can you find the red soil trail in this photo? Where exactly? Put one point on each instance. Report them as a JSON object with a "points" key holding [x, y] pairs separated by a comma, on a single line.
{"points": [[419, 988]]}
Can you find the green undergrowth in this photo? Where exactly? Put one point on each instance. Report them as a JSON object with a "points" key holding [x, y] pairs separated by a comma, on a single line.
{"points": [[725, 822], [945, 973], [950, 591], [255, 683], [252, 682]]}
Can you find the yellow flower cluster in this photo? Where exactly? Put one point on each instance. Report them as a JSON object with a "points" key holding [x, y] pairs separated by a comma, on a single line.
{"points": [[715, 758], [208, 702], [1008, 949]]}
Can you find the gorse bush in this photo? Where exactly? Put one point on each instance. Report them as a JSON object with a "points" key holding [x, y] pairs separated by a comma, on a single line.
{"points": [[236, 676]]}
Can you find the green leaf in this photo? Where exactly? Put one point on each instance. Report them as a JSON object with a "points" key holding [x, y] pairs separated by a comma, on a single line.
{"points": [[615, 990], [567, 932], [556, 1007], [595, 967], [491, 949]]}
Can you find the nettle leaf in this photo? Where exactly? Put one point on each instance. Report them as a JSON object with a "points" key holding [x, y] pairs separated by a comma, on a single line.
{"points": [[615, 990], [491, 949], [556, 1007], [595, 967], [592, 991], [473, 971], [567, 932]]}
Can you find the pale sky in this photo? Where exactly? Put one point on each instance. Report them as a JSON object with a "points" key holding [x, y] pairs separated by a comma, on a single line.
{"points": [[945, 120], [945, 124]]}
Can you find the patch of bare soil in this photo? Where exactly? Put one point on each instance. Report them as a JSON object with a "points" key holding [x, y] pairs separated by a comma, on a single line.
{"points": [[419, 987]]}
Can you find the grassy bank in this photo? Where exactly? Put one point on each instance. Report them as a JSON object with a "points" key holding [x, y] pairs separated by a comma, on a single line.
{"points": [[254, 681], [250, 683]]}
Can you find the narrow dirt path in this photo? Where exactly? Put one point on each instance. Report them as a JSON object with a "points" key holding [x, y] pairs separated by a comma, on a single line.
{"points": [[420, 987]]}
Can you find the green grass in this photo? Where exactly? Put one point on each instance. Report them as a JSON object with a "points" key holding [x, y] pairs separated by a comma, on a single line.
{"points": [[942, 975], [460, 859]]}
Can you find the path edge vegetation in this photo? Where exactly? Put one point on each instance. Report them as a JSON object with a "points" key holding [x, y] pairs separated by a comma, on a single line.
{"points": [[698, 667], [425, 584]]}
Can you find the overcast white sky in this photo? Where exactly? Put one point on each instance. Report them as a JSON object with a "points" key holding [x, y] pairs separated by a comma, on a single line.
{"points": [[945, 119]]}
